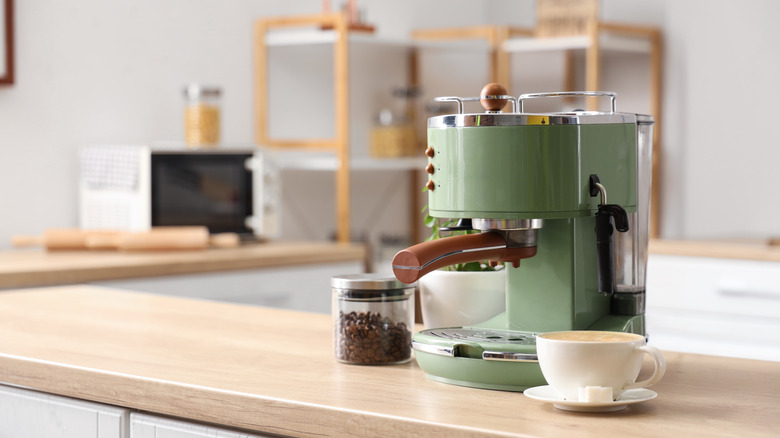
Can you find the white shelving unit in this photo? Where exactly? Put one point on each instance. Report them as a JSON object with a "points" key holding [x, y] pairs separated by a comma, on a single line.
{"points": [[606, 42], [314, 36], [342, 153], [323, 161]]}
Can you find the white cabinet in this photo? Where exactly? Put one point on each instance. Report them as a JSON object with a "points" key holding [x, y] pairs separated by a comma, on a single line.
{"points": [[305, 288], [149, 426], [30, 414], [724, 307]]}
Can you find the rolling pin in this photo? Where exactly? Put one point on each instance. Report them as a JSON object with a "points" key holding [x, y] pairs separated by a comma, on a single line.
{"points": [[57, 239], [159, 238]]}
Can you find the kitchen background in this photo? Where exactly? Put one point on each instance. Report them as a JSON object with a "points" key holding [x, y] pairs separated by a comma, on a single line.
{"points": [[112, 72]]}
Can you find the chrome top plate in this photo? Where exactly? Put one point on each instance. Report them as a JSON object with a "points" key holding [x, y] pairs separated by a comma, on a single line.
{"points": [[516, 119]]}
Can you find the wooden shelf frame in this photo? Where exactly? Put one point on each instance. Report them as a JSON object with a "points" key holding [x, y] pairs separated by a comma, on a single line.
{"points": [[495, 36], [340, 143]]}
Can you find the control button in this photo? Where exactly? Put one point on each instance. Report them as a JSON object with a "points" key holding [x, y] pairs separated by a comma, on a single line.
{"points": [[430, 168], [431, 185], [430, 152]]}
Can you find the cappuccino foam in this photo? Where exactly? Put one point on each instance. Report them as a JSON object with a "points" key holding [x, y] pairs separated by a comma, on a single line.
{"points": [[591, 336]]}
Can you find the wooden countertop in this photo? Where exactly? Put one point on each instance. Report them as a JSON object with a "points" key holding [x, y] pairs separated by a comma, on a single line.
{"points": [[273, 371], [30, 268], [33, 268]]}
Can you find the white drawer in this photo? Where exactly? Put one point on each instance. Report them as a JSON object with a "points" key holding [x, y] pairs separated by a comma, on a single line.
{"points": [[150, 426], [32, 414]]}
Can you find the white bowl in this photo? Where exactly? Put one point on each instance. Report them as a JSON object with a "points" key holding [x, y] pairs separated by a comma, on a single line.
{"points": [[461, 298]]}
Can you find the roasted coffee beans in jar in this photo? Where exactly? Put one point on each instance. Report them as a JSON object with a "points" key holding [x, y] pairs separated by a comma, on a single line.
{"points": [[201, 116], [373, 319]]}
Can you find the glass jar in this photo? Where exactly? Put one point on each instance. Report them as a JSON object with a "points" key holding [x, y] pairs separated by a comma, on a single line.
{"points": [[373, 319], [394, 133], [201, 116]]}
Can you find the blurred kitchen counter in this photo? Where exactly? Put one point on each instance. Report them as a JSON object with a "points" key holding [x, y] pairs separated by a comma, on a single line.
{"points": [[272, 371], [741, 249], [32, 268]]}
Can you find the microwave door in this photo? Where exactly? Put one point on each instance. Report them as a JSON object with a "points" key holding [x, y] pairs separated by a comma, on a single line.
{"points": [[211, 189]]}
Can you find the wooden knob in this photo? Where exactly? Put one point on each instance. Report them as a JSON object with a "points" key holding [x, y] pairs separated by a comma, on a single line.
{"points": [[430, 152], [431, 185], [487, 97]]}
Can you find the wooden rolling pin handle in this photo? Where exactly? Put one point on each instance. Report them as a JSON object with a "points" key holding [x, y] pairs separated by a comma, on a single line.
{"points": [[225, 240], [25, 241], [54, 239]]}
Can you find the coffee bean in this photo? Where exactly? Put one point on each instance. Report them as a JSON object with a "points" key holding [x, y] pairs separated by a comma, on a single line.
{"points": [[368, 338]]}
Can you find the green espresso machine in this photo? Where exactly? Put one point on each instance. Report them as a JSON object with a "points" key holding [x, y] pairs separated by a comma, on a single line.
{"points": [[562, 199]]}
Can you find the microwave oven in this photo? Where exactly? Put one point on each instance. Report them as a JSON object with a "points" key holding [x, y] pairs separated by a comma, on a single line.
{"points": [[134, 188]]}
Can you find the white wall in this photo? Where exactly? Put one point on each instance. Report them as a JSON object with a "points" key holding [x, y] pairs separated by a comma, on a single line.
{"points": [[721, 102], [93, 71]]}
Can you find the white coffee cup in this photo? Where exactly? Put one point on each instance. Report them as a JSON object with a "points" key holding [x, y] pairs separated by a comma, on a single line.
{"points": [[595, 366]]}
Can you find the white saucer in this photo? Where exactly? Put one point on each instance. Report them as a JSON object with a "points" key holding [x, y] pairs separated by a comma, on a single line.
{"points": [[547, 394]]}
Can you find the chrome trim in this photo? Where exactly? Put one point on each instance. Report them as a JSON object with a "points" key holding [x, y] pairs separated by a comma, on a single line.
{"points": [[481, 336], [644, 119], [508, 98], [603, 192], [451, 99], [612, 96], [506, 224], [461, 100], [628, 303], [517, 119], [509, 357], [433, 349], [520, 238]]}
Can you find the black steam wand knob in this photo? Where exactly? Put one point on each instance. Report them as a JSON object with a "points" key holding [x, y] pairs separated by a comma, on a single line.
{"points": [[464, 224]]}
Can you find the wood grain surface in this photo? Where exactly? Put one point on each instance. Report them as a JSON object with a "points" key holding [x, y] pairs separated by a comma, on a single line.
{"points": [[273, 371], [30, 268]]}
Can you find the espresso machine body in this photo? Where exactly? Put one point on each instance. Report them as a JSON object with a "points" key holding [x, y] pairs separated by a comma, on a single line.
{"points": [[545, 184]]}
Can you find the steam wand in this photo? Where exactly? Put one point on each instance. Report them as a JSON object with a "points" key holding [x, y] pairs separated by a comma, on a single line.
{"points": [[605, 256]]}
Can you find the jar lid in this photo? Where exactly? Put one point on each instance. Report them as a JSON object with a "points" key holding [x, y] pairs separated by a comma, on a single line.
{"points": [[195, 91], [370, 287], [379, 284]]}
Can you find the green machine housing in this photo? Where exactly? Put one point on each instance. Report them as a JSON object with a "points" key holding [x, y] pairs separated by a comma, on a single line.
{"points": [[555, 171]]}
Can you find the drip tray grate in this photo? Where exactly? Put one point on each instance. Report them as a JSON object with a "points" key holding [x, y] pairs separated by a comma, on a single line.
{"points": [[474, 335]]}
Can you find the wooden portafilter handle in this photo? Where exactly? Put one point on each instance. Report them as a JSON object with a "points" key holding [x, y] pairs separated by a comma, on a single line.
{"points": [[410, 264]]}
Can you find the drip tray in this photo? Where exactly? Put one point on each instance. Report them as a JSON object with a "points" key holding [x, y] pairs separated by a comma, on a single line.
{"points": [[475, 343], [482, 336]]}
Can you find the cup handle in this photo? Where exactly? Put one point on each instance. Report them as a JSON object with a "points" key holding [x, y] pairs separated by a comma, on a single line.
{"points": [[658, 372]]}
